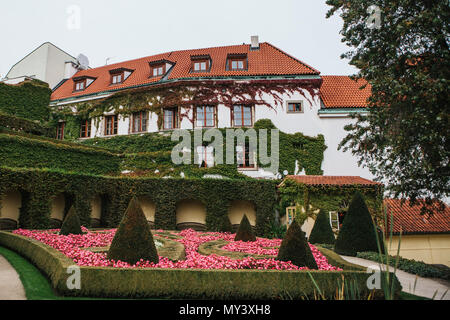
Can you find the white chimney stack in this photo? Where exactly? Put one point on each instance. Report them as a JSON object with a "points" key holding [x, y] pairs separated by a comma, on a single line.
{"points": [[254, 43], [70, 69]]}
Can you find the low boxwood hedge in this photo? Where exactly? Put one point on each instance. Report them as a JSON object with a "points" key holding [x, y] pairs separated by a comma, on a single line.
{"points": [[179, 283]]}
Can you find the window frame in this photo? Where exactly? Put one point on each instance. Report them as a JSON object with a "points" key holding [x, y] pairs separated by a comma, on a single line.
{"points": [[157, 67], [60, 130], [114, 125], [214, 114], [87, 124], [237, 58], [247, 154], [233, 118], [143, 115], [294, 102], [175, 118], [77, 82], [116, 74]]}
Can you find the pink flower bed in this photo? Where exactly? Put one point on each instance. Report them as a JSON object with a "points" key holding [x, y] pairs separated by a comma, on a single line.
{"points": [[73, 247]]}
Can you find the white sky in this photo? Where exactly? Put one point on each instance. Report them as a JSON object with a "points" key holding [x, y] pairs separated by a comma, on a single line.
{"points": [[129, 29]]}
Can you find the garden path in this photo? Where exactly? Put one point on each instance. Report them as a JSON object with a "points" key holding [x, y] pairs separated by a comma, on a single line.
{"points": [[11, 287], [425, 287]]}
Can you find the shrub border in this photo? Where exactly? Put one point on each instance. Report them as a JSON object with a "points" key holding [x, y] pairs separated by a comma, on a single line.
{"points": [[177, 283]]}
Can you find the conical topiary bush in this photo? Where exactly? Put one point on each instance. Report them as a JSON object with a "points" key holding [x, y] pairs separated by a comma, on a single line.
{"points": [[295, 248], [133, 240], [322, 232], [245, 231], [71, 224], [357, 233]]}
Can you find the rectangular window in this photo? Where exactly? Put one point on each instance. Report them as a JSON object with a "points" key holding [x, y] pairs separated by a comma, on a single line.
{"points": [[80, 85], [205, 116], [60, 130], [110, 125], [334, 220], [245, 156], [205, 156], [200, 66], [116, 78], [139, 121], [242, 116], [170, 118], [158, 70], [294, 107], [85, 131]]}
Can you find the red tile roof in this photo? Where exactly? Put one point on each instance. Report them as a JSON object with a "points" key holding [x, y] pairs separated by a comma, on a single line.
{"points": [[410, 221], [344, 92], [332, 180], [267, 61]]}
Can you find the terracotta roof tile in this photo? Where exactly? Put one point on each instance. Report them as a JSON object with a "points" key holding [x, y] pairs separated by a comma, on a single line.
{"points": [[266, 61], [410, 221], [344, 92], [332, 180]]}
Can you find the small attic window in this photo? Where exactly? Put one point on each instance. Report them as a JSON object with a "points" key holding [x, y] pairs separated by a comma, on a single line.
{"points": [[81, 83], [119, 75], [159, 68], [200, 63], [237, 62]]}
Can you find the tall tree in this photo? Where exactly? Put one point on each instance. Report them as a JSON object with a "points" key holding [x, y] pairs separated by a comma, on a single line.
{"points": [[401, 48]]}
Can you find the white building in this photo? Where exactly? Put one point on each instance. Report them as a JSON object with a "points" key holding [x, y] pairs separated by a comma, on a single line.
{"points": [[318, 105], [47, 63]]}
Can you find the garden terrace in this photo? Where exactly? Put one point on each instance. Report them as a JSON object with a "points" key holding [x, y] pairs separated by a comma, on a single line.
{"points": [[40, 199], [209, 277]]}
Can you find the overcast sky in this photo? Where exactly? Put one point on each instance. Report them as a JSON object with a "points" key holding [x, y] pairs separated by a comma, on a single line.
{"points": [[124, 30]]}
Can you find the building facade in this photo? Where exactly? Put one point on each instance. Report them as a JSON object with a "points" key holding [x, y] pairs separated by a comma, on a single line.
{"points": [[240, 84]]}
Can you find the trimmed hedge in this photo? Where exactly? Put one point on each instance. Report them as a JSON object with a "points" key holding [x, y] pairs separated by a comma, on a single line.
{"points": [[357, 233], [321, 231], [245, 232], [180, 283], [39, 186], [419, 268], [29, 100], [18, 151], [24, 125], [71, 224]]}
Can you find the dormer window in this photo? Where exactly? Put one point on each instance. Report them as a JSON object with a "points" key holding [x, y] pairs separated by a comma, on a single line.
{"points": [[158, 70], [81, 83], [237, 62], [119, 75], [201, 63]]}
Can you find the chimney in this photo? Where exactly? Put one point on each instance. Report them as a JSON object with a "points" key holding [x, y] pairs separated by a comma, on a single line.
{"points": [[70, 69], [254, 43]]}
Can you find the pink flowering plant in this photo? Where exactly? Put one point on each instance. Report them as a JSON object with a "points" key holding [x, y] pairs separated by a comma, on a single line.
{"points": [[74, 247]]}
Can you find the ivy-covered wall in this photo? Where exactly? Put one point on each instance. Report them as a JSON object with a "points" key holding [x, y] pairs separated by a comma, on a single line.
{"points": [[29, 100], [330, 198], [38, 187], [13, 123]]}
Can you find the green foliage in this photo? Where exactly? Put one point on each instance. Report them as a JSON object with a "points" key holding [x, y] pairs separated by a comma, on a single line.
{"points": [[295, 248], [357, 233], [245, 232], [14, 123], [276, 230], [29, 100], [133, 240], [404, 138], [177, 283], [419, 268], [40, 186], [71, 224], [30, 152], [329, 198], [322, 232]]}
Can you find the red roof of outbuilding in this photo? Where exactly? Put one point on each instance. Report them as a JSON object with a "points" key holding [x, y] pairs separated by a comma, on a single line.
{"points": [[344, 92], [409, 220], [332, 180], [266, 61]]}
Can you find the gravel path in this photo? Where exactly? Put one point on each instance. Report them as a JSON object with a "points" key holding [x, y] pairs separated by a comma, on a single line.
{"points": [[11, 287]]}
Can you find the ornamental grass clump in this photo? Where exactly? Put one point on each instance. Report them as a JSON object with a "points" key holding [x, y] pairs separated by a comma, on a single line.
{"points": [[357, 233], [71, 224], [245, 231], [322, 232], [133, 240], [295, 248]]}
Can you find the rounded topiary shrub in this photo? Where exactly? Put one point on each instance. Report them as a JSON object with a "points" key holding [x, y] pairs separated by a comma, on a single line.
{"points": [[245, 231], [71, 224], [133, 240], [322, 232], [357, 233], [295, 248]]}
